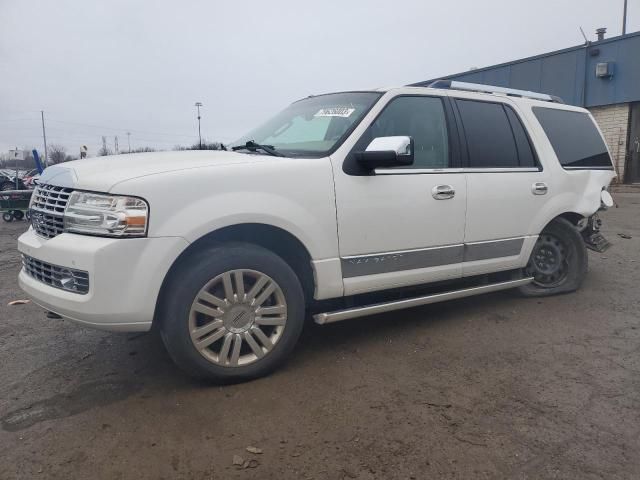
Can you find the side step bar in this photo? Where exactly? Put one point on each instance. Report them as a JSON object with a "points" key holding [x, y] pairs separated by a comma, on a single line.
{"points": [[339, 315]]}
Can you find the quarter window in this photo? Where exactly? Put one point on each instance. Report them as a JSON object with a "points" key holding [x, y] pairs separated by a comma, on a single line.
{"points": [[574, 138], [421, 118]]}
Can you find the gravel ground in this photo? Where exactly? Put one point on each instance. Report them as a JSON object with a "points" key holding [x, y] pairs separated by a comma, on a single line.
{"points": [[487, 387]]}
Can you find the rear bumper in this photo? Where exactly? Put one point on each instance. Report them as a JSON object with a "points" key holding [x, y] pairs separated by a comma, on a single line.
{"points": [[125, 276]]}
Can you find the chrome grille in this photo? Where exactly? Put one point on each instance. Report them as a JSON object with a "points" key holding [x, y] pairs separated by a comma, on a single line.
{"points": [[47, 209], [68, 279]]}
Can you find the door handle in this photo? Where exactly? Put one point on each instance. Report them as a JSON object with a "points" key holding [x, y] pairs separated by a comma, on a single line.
{"points": [[443, 192], [539, 188]]}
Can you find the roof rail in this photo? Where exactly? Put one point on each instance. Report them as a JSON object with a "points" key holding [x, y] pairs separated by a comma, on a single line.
{"points": [[478, 87]]}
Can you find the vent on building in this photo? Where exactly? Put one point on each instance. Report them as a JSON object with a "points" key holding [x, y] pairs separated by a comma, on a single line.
{"points": [[604, 70]]}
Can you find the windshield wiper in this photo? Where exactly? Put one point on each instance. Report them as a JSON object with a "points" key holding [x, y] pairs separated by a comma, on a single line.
{"points": [[254, 147]]}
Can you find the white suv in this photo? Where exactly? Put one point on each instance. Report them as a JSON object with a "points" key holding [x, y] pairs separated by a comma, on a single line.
{"points": [[342, 205]]}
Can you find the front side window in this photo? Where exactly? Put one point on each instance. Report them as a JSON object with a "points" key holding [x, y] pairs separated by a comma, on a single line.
{"points": [[314, 126], [421, 118], [574, 138]]}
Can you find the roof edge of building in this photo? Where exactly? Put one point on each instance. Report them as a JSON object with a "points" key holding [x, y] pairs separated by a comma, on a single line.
{"points": [[528, 59]]}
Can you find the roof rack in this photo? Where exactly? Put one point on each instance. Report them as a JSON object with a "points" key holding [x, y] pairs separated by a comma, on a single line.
{"points": [[478, 87]]}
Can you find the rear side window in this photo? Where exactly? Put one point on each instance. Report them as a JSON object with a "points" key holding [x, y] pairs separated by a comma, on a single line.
{"points": [[495, 136], [574, 138]]}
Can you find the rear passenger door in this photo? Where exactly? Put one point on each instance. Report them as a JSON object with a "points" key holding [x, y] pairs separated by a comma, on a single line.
{"points": [[506, 186]]}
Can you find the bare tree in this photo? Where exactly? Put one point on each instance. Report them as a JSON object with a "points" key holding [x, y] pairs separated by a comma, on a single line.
{"points": [[204, 146], [104, 150], [57, 153], [139, 150]]}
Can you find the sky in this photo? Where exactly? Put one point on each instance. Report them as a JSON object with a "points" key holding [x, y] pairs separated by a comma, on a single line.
{"points": [[105, 68]]}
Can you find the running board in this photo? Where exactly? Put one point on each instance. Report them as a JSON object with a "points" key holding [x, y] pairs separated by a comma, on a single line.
{"points": [[339, 315]]}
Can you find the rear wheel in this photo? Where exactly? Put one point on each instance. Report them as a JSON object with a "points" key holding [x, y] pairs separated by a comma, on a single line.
{"points": [[235, 312], [558, 262], [18, 214]]}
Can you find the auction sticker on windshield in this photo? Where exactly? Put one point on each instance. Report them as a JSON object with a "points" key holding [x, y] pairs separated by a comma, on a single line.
{"points": [[335, 112]]}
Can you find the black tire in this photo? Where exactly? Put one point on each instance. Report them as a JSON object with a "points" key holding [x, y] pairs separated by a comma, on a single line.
{"points": [[18, 214], [558, 262], [7, 216], [186, 283]]}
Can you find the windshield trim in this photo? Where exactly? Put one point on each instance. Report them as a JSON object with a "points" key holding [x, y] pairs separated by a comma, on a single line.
{"points": [[291, 153]]}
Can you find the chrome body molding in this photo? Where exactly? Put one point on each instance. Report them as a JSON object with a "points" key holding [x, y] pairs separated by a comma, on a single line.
{"points": [[507, 247], [408, 171], [371, 264], [339, 315], [587, 168], [357, 266]]}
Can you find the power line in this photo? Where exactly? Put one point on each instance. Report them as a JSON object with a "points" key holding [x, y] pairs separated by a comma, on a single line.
{"points": [[65, 136], [61, 132], [103, 127], [30, 119]]}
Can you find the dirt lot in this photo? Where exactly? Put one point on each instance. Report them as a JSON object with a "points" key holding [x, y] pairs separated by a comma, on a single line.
{"points": [[488, 387]]}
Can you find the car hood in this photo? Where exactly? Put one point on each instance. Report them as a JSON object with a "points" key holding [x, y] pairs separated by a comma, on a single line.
{"points": [[103, 173]]}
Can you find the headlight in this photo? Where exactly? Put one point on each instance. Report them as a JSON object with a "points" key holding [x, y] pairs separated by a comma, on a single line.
{"points": [[108, 215]]}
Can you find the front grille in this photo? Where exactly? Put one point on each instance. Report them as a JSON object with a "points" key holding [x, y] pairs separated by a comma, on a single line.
{"points": [[68, 279], [47, 209]]}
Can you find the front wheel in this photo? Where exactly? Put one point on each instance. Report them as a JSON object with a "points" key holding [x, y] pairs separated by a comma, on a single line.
{"points": [[233, 312], [558, 262], [7, 217]]}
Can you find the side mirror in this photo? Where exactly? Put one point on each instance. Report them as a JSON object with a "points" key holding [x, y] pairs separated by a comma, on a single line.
{"points": [[387, 152]]}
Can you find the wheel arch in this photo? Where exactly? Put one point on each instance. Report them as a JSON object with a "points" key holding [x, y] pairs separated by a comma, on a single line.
{"points": [[571, 217], [279, 241]]}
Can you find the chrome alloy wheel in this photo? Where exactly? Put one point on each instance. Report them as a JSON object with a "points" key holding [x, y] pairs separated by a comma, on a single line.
{"points": [[237, 318], [548, 264]]}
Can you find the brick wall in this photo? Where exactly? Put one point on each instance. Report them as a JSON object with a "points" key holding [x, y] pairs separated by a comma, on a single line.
{"points": [[614, 123]]}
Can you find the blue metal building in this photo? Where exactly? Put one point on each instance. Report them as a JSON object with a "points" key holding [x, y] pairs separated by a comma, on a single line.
{"points": [[603, 76]]}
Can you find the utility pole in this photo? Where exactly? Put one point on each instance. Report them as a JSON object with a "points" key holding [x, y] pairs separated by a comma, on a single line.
{"points": [[44, 137], [624, 18], [115, 144], [129, 140], [198, 105]]}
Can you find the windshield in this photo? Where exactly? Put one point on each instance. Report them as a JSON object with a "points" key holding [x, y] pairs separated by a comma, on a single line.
{"points": [[313, 126]]}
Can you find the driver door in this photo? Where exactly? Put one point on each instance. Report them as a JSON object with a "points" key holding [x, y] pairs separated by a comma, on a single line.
{"points": [[403, 226]]}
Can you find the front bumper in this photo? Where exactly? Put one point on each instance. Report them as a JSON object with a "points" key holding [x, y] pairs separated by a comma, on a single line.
{"points": [[125, 276]]}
